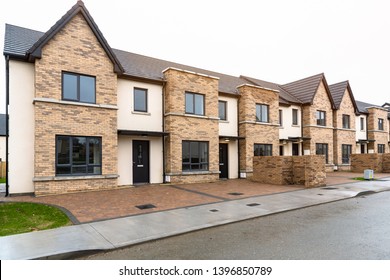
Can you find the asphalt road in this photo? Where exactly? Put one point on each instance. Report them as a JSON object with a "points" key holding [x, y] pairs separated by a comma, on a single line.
{"points": [[352, 229]]}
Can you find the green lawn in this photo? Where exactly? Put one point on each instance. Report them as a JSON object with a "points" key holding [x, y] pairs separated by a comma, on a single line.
{"points": [[20, 217], [2, 180]]}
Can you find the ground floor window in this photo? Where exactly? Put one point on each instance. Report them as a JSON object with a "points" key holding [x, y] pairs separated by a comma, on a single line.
{"points": [[263, 150], [195, 156], [322, 149], [381, 148], [346, 151], [78, 155]]}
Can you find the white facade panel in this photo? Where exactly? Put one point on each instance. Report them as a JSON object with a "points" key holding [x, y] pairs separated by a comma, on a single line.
{"points": [[128, 118], [229, 127], [125, 159], [21, 128]]}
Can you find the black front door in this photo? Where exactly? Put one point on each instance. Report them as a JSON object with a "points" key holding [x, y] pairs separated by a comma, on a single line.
{"points": [[140, 162], [223, 161], [295, 149]]}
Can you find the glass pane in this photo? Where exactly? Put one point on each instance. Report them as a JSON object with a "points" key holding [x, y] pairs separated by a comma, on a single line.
{"points": [[189, 103], [87, 89], [79, 153], [204, 153], [95, 151], [194, 152], [204, 167], [63, 170], [96, 170], [264, 113], [222, 110], [186, 152], [199, 103], [258, 115], [186, 167], [140, 100], [69, 87], [79, 169], [63, 148]]}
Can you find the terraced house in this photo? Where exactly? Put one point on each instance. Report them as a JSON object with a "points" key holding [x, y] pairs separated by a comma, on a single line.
{"points": [[84, 116]]}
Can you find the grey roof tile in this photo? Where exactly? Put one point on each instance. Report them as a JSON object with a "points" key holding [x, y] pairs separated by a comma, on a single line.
{"points": [[18, 40], [304, 89], [337, 91]]}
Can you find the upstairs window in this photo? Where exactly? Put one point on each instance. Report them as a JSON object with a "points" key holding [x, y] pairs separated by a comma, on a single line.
{"points": [[361, 123], [295, 116], [380, 124], [262, 113], [321, 118], [346, 122], [79, 88], [280, 118], [140, 100], [194, 103], [222, 110]]}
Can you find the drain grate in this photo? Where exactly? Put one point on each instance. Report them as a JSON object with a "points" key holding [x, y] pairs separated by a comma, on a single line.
{"points": [[214, 210], [329, 188], [253, 204], [235, 193], [145, 206]]}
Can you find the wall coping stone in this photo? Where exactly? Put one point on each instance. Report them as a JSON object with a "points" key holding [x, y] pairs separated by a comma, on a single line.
{"points": [[190, 72], [254, 86], [63, 102], [68, 178]]}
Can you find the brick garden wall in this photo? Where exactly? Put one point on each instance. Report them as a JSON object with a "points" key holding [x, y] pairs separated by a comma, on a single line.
{"points": [[290, 170], [378, 162]]}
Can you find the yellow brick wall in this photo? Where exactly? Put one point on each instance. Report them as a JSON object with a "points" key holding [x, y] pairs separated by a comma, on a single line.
{"points": [[181, 126], [256, 132], [73, 49]]}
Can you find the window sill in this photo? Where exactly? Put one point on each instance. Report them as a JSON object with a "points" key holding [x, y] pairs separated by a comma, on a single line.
{"points": [[188, 173], [64, 102], [141, 113], [69, 178], [223, 121]]}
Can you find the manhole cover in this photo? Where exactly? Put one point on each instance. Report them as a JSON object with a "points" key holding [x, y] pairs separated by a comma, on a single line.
{"points": [[329, 188], [253, 204], [235, 193], [214, 210], [145, 206]]}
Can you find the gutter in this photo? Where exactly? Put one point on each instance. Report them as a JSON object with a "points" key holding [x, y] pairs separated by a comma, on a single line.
{"points": [[6, 123]]}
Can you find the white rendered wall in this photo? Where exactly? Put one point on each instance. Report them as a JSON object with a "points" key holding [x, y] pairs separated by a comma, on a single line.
{"points": [[21, 127], [228, 127], [125, 159], [128, 119]]}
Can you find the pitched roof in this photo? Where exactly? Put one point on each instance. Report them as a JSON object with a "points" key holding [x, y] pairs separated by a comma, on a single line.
{"points": [[35, 51], [338, 90], [362, 106], [137, 65], [284, 96], [305, 89], [18, 40]]}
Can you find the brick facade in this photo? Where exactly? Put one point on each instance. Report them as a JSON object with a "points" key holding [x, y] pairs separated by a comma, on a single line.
{"points": [[341, 135], [75, 49], [318, 134], [182, 126], [253, 131], [373, 131]]}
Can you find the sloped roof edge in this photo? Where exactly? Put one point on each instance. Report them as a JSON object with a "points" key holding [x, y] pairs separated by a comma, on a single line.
{"points": [[36, 50]]}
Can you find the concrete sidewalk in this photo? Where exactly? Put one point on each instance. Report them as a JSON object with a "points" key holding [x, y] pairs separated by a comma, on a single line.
{"points": [[116, 233]]}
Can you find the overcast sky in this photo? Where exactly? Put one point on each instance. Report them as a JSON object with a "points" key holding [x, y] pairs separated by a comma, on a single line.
{"points": [[279, 41]]}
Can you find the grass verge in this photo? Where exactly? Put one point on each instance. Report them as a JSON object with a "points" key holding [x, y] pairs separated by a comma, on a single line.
{"points": [[21, 217]]}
